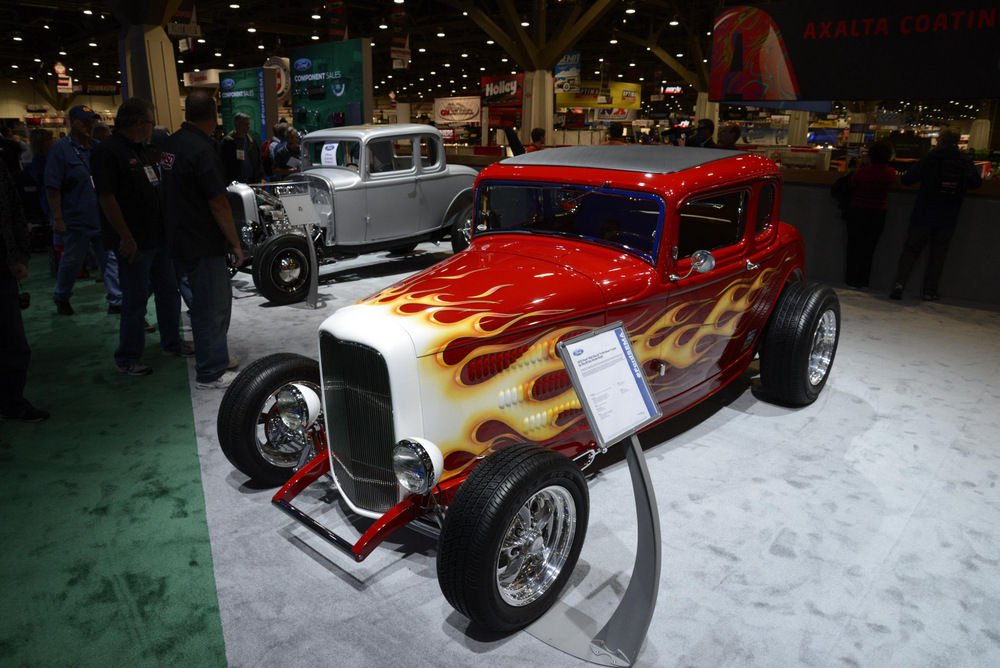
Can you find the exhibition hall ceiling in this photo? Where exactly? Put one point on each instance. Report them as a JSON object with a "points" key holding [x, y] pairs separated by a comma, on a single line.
{"points": [[449, 51]]}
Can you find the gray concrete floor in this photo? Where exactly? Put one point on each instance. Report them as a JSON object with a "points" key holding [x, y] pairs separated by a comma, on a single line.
{"points": [[859, 531]]}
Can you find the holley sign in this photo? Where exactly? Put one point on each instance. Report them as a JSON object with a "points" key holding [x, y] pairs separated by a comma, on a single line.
{"points": [[503, 91]]}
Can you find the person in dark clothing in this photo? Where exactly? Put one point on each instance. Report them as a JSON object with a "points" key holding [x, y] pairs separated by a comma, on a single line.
{"points": [[944, 177], [201, 232], [288, 157], [728, 136], [703, 135], [866, 210], [15, 354], [127, 184], [240, 153]]}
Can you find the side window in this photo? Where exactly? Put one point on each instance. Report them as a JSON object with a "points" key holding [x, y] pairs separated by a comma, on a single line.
{"points": [[388, 155], [428, 152], [707, 223], [765, 209]]}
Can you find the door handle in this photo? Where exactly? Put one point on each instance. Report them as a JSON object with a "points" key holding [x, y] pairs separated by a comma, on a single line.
{"points": [[751, 266]]}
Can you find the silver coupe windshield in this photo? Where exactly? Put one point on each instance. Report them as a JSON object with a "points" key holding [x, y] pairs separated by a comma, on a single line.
{"points": [[611, 217]]}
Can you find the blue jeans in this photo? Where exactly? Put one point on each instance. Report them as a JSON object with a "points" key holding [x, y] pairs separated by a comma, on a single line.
{"points": [[211, 307], [150, 269], [76, 242]]}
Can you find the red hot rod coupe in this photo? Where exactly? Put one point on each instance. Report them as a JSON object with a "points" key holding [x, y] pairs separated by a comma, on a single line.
{"points": [[441, 401]]}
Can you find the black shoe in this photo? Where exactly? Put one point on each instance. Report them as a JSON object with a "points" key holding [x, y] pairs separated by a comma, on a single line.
{"points": [[27, 413], [114, 309], [897, 291], [63, 306], [930, 296], [148, 326]]}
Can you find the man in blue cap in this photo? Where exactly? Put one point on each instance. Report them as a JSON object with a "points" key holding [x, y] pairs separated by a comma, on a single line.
{"points": [[69, 186]]}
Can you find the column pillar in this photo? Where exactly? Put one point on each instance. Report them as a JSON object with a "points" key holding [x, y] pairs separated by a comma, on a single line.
{"points": [[798, 128], [146, 57], [537, 104]]}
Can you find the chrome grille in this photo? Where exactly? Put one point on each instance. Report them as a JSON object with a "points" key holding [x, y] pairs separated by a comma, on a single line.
{"points": [[359, 422]]}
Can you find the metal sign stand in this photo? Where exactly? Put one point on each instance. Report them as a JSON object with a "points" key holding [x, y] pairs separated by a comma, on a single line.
{"points": [[600, 364], [312, 298]]}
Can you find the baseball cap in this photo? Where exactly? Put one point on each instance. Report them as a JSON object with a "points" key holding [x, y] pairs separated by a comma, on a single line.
{"points": [[82, 112]]}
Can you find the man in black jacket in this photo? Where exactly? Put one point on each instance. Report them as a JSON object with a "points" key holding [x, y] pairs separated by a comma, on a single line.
{"points": [[944, 176], [240, 153], [15, 354]]}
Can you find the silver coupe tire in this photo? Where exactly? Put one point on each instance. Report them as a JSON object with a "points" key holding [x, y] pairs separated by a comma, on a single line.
{"points": [[512, 536], [281, 270], [251, 433], [461, 230]]}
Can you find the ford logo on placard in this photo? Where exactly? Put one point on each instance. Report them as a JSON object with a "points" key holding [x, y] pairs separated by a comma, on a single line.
{"points": [[577, 352], [227, 84], [303, 64]]}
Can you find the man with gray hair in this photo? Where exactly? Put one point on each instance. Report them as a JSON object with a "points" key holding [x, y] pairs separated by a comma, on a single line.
{"points": [[240, 153]]}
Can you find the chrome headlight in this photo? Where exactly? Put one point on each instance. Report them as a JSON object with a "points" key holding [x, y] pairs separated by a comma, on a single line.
{"points": [[298, 406], [418, 465]]}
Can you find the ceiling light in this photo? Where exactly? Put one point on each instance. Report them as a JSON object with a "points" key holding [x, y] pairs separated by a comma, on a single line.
{"points": [[250, 29], [46, 26], [674, 22], [97, 76], [96, 64], [399, 2], [314, 37], [234, 5], [525, 22], [421, 50], [440, 32], [180, 61], [17, 38], [37, 60], [315, 17], [261, 46], [62, 53], [490, 42], [382, 25], [230, 65], [218, 54], [88, 12], [680, 55], [13, 66], [201, 40], [613, 41], [630, 9]]}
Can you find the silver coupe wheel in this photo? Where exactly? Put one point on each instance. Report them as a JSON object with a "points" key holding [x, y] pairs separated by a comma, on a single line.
{"points": [[823, 346], [536, 546], [288, 270]]}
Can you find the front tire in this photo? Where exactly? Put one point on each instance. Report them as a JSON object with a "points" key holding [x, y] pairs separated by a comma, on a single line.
{"points": [[253, 437], [281, 270], [799, 345], [512, 536]]}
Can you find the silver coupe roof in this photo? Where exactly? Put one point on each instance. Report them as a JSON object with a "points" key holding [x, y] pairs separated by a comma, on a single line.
{"points": [[368, 131], [634, 158]]}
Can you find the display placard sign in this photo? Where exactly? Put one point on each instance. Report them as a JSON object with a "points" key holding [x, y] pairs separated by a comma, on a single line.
{"points": [[332, 84], [610, 383]]}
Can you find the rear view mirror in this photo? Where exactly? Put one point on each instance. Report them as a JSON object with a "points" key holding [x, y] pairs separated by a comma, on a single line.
{"points": [[702, 262]]}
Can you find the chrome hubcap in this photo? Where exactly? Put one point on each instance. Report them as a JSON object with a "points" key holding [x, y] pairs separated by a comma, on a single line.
{"points": [[465, 229], [276, 443], [536, 545], [821, 354]]}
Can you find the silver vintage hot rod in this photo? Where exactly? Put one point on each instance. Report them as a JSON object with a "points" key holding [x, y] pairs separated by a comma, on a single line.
{"points": [[362, 189]]}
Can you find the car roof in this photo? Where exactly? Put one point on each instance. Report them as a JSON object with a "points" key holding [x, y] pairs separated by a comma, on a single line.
{"points": [[636, 158], [368, 131]]}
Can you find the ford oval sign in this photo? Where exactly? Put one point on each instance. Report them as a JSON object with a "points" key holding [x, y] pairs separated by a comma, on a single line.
{"points": [[303, 65], [227, 84]]}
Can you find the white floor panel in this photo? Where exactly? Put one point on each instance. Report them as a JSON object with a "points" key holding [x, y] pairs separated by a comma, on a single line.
{"points": [[859, 531]]}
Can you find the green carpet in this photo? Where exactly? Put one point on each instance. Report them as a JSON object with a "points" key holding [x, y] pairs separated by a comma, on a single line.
{"points": [[105, 555]]}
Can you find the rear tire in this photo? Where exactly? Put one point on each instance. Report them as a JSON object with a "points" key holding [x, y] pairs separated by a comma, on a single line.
{"points": [[799, 344], [512, 536], [281, 270], [252, 437]]}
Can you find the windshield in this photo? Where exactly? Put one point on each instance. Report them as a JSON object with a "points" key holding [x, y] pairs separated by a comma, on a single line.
{"points": [[611, 217], [334, 153]]}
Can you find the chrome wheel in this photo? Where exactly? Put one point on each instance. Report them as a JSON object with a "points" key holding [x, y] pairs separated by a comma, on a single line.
{"points": [[536, 545], [289, 271], [278, 444], [824, 344]]}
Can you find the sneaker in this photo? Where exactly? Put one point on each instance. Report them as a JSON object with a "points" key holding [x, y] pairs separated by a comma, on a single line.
{"points": [[134, 369], [897, 291], [149, 327], [27, 413], [114, 309], [220, 383], [63, 306], [234, 363], [186, 350], [930, 296]]}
